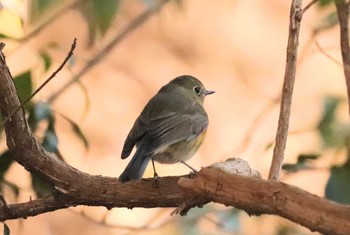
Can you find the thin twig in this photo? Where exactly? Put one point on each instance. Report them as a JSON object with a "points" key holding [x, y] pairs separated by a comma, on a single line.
{"points": [[308, 6], [44, 84], [287, 91], [326, 54], [343, 16], [134, 24]]}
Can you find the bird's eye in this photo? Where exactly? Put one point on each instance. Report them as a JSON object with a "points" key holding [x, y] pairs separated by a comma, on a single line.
{"points": [[197, 89]]}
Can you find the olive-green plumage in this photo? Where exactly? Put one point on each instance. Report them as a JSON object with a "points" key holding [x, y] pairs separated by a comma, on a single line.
{"points": [[170, 128]]}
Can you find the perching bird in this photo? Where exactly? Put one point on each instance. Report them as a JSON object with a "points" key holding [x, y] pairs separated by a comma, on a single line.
{"points": [[170, 128]]}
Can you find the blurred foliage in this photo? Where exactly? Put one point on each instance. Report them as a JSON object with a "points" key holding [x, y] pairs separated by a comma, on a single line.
{"points": [[6, 229], [99, 16], [287, 230], [225, 220], [39, 8], [46, 59], [5, 162], [323, 3], [229, 220], [41, 188], [303, 163], [335, 134], [23, 83], [327, 22], [337, 188]]}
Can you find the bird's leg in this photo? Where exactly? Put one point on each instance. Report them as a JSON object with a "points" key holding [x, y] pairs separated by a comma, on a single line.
{"points": [[155, 175], [194, 170]]}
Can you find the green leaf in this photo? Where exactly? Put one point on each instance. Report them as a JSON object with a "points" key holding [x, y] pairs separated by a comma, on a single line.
{"points": [[6, 229], [23, 83], [5, 162], [4, 36], [77, 131], [39, 8], [323, 3], [333, 133], [327, 22], [338, 185], [303, 163], [39, 112], [105, 13], [189, 225], [230, 220], [46, 59], [287, 230], [50, 141], [269, 145], [42, 111], [99, 15], [41, 187], [292, 168], [304, 157]]}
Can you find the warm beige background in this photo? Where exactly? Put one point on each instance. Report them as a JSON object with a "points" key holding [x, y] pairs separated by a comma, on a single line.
{"points": [[235, 47]]}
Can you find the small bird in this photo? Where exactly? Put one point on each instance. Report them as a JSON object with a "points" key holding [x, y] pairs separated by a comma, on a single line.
{"points": [[170, 128]]}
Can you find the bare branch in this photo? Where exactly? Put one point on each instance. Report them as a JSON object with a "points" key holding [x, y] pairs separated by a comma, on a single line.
{"points": [[343, 16], [69, 55], [287, 91], [133, 25], [309, 5]]}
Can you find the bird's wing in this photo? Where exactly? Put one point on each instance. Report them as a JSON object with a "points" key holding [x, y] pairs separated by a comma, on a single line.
{"points": [[167, 131], [135, 134]]}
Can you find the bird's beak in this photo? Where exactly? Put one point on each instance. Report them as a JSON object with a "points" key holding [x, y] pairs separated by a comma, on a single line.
{"points": [[209, 92]]}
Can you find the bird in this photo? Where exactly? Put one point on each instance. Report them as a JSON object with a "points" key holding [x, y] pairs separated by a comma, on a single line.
{"points": [[170, 128]]}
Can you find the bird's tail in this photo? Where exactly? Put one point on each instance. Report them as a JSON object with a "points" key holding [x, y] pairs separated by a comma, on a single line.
{"points": [[135, 169]]}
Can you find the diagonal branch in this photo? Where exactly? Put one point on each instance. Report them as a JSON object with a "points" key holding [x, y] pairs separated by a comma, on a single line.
{"points": [[287, 90]]}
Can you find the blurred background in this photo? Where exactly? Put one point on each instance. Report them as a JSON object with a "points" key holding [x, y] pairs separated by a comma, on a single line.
{"points": [[127, 50]]}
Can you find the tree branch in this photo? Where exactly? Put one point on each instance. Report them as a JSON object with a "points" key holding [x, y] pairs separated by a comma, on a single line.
{"points": [[287, 90], [257, 196], [343, 16]]}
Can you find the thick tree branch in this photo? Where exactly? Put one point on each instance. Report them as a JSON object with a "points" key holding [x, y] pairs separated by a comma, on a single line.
{"points": [[343, 16], [107, 192], [257, 196], [287, 90]]}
